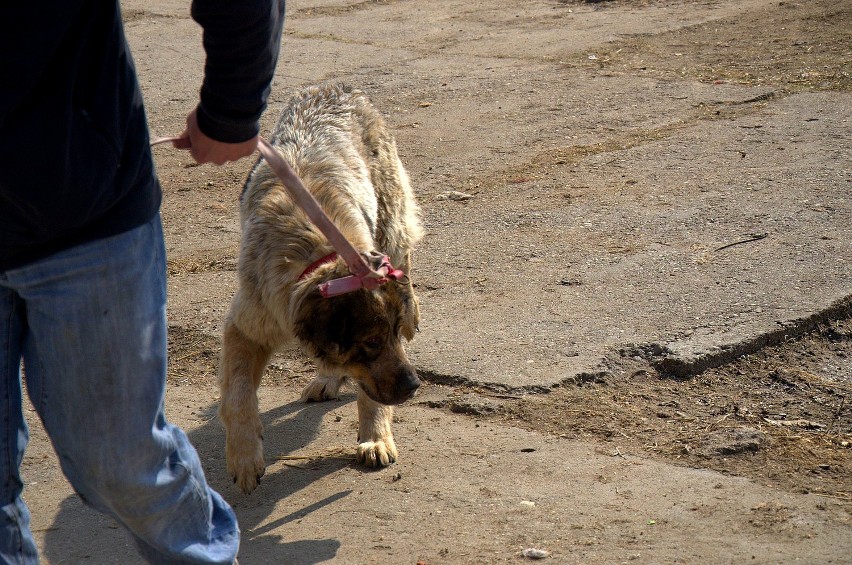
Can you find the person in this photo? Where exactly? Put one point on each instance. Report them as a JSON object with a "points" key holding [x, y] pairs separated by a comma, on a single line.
{"points": [[82, 263]]}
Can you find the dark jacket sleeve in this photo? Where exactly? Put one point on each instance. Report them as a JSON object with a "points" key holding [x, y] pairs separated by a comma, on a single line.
{"points": [[242, 40]]}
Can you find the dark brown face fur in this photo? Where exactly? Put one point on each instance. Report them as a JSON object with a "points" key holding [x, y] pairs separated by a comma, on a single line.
{"points": [[359, 335]]}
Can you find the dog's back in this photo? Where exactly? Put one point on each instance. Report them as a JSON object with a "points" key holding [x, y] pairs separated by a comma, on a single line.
{"points": [[339, 145]]}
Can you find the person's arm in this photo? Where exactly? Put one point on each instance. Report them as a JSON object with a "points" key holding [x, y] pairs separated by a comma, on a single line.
{"points": [[242, 40]]}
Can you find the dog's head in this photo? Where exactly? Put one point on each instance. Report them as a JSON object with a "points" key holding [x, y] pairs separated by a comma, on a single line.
{"points": [[359, 335]]}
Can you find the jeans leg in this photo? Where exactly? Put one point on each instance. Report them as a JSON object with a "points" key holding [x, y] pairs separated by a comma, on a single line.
{"points": [[96, 346], [16, 541]]}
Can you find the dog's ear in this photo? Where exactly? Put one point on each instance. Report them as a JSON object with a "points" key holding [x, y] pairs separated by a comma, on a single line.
{"points": [[314, 325], [403, 292], [409, 310]]}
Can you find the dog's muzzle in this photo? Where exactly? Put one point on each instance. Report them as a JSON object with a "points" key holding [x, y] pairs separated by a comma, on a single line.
{"points": [[407, 384]]}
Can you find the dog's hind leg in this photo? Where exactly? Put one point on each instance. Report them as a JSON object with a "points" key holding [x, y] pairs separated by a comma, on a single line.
{"points": [[376, 447], [323, 388], [243, 363]]}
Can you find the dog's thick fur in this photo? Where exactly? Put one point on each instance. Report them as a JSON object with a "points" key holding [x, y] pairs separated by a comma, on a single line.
{"points": [[339, 146]]}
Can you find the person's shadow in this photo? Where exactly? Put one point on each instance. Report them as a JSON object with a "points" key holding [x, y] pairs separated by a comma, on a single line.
{"points": [[80, 534]]}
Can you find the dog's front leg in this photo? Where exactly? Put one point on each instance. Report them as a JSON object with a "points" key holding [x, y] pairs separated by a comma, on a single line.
{"points": [[376, 447], [243, 362]]}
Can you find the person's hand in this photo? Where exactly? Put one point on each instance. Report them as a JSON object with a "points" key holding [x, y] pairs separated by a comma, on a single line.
{"points": [[206, 150]]}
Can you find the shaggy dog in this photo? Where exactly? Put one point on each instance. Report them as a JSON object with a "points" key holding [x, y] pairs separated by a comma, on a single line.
{"points": [[338, 144]]}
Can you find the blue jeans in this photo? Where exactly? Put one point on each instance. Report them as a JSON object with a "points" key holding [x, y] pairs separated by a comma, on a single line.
{"points": [[90, 326]]}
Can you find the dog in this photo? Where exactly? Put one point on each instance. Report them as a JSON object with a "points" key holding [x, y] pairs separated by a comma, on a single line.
{"points": [[339, 145]]}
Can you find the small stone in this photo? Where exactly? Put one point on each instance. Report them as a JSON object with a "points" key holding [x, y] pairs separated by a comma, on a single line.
{"points": [[454, 195], [534, 553], [731, 441]]}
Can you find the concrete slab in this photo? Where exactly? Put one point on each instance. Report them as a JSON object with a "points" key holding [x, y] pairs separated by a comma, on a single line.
{"points": [[677, 249]]}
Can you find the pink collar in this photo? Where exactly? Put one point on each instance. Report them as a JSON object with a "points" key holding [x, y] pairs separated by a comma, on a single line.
{"points": [[330, 258]]}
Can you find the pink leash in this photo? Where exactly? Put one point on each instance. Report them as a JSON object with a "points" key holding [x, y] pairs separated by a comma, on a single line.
{"points": [[363, 276]]}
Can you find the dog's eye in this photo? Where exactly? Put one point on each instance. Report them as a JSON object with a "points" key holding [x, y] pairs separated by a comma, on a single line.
{"points": [[373, 342]]}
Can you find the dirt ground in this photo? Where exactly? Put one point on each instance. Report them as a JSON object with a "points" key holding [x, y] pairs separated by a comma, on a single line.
{"points": [[753, 449]]}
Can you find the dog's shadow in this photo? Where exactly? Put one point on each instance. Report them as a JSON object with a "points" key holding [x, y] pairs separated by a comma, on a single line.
{"points": [[286, 429], [80, 533]]}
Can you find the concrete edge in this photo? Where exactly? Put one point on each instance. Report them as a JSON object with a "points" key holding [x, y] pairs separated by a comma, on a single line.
{"points": [[660, 357], [689, 366]]}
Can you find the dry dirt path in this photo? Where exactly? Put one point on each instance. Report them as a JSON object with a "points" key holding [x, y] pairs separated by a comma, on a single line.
{"points": [[622, 198]]}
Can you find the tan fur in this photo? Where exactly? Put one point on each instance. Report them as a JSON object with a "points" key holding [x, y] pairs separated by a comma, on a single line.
{"points": [[339, 146]]}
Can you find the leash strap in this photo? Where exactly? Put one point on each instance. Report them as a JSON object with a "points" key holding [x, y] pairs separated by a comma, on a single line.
{"points": [[363, 276]]}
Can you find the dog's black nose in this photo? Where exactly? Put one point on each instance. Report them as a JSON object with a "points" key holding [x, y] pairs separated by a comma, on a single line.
{"points": [[408, 383], [411, 383]]}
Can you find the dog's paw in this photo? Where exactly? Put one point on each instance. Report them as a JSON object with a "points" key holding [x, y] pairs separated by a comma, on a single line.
{"points": [[322, 388], [377, 453], [245, 464]]}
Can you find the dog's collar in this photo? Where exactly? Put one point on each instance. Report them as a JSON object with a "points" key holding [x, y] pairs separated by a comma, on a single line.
{"points": [[331, 257], [343, 285]]}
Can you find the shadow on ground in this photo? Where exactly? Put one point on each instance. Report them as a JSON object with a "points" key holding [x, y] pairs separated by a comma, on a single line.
{"points": [[80, 533]]}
